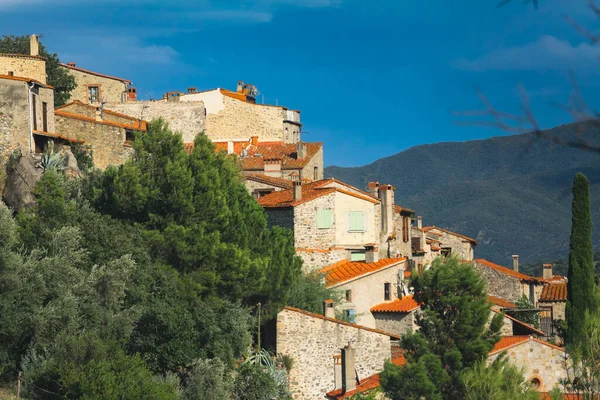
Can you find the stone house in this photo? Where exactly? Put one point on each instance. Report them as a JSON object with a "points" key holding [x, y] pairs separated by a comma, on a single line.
{"points": [[318, 346], [107, 133], [552, 303], [507, 283], [397, 316], [365, 284], [96, 88], [32, 65], [543, 362], [234, 115], [259, 185]]}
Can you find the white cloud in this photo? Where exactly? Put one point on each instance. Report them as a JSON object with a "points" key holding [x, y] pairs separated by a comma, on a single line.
{"points": [[546, 53]]}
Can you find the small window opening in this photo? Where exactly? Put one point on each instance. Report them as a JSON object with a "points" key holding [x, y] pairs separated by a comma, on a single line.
{"points": [[387, 291], [348, 295]]}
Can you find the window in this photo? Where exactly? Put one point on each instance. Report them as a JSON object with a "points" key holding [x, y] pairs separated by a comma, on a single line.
{"points": [[324, 218], [357, 256], [129, 136], [446, 251], [416, 245], [45, 116], [34, 109], [93, 94], [348, 295], [405, 229], [356, 221], [258, 193], [316, 173], [351, 315], [387, 291], [536, 383]]}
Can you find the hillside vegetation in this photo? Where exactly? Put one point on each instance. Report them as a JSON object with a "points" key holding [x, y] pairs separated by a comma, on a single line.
{"points": [[511, 193]]}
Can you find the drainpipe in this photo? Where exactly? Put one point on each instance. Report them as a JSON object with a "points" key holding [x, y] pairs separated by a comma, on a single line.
{"points": [[29, 94]]}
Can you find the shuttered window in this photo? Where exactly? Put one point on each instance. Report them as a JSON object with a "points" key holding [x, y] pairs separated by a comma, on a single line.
{"points": [[357, 221], [324, 218], [357, 256], [405, 229]]}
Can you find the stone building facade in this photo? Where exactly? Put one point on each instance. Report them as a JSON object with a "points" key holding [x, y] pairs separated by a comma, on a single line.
{"points": [[508, 283], [31, 65], [314, 343], [95, 88], [187, 118], [543, 362], [398, 316]]}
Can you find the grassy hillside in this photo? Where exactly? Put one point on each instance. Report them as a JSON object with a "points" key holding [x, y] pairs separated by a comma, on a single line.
{"points": [[512, 193]]}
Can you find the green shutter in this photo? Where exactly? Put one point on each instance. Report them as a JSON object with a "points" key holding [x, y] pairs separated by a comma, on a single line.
{"points": [[356, 221], [357, 256], [324, 218]]}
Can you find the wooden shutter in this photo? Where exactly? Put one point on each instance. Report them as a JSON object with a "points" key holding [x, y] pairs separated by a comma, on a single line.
{"points": [[416, 243], [356, 221], [405, 229], [324, 218]]}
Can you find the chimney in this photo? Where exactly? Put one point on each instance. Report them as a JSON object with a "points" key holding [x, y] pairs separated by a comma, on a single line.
{"points": [[11, 73], [272, 167], [192, 90], [297, 190], [240, 87], [420, 222], [34, 45], [254, 140], [372, 254], [387, 204], [348, 369], [71, 64], [328, 309], [300, 150], [547, 271], [131, 94], [373, 188], [515, 262]]}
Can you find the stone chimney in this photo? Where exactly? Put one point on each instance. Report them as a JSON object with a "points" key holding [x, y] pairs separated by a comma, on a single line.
{"points": [[272, 167], [328, 308], [348, 369], [515, 262], [131, 94], [419, 222], [300, 150], [71, 64], [547, 271], [387, 207], [192, 90], [373, 188], [372, 254], [34, 45], [297, 190]]}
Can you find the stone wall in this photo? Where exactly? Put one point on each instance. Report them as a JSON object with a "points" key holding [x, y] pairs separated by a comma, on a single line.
{"points": [[187, 118], [539, 361], [308, 171], [94, 112], [253, 186], [283, 217], [500, 284], [314, 259], [461, 247], [558, 309], [107, 141], [306, 233], [111, 90], [44, 99], [396, 323], [398, 245], [14, 118], [24, 66], [312, 342]]}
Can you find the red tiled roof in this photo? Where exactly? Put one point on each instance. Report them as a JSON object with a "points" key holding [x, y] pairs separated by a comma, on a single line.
{"points": [[57, 136], [528, 327], [428, 228], [507, 342], [94, 73], [345, 270], [23, 79], [337, 321], [404, 305], [554, 292], [500, 302], [269, 180], [286, 152], [506, 271], [137, 125], [568, 396], [400, 209]]}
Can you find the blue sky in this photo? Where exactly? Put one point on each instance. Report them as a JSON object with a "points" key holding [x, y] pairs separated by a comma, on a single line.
{"points": [[371, 77]]}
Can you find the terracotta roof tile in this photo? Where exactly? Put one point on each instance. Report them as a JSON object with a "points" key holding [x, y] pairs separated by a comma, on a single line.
{"points": [[23, 79], [498, 301], [507, 342], [429, 228], [400, 209], [554, 292], [404, 305], [506, 271], [94, 73], [286, 152], [269, 180], [345, 270], [137, 125]]}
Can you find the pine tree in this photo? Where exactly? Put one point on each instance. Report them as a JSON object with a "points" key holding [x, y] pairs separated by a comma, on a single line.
{"points": [[580, 287]]}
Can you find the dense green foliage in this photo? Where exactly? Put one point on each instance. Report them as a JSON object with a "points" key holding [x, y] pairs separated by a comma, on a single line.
{"points": [[529, 317], [581, 291], [58, 77], [453, 335], [134, 282], [506, 192]]}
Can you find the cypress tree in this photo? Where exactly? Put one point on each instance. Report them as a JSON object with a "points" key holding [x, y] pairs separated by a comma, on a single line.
{"points": [[580, 287]]}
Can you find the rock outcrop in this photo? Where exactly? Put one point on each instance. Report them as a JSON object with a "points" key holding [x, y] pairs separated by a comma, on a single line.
{"points": [[20, 182]]}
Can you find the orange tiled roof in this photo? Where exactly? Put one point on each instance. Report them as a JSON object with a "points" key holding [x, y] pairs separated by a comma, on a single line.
{"points": [[506, 342], [498, 301], [95, 73], [310, 191], [269, 180], [57, 136], [400, 209], [554, 292], [530, 328], [337, 321], [286, 152], [404, 305], [506, 271], [23, 79], [345, 270], [137, 125], [429, 228]]}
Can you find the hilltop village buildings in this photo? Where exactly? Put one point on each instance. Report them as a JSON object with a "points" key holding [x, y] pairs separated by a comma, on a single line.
{"points": [[360, 240]]}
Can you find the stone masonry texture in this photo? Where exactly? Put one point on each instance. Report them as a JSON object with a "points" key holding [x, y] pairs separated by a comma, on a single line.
{"points": [[499, 284], [312, 343], [24, 66], [111, 90]]}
